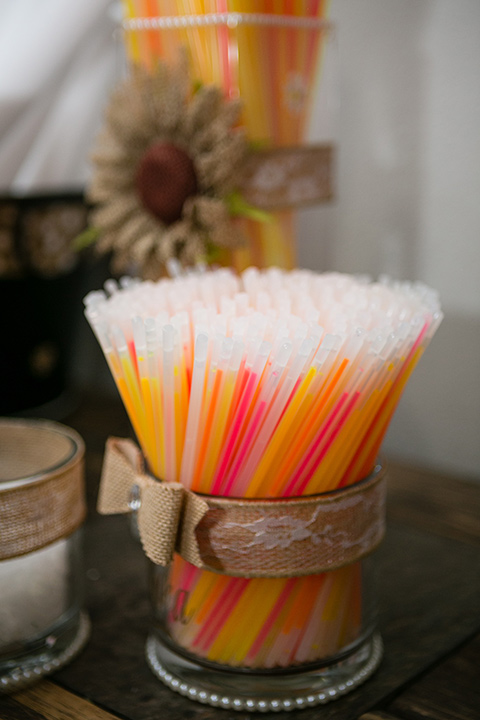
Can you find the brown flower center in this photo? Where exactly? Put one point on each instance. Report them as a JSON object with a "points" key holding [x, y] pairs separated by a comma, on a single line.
{"points": [[165, 178]]}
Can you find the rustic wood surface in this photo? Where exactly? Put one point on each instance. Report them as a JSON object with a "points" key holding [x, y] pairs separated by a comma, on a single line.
{"points": [[456, 678], [429, 600], [450, 691], [433, 503], [50, 701]]}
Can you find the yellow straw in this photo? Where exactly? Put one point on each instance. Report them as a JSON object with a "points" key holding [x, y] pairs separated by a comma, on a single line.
{"points": [[278, 440]]}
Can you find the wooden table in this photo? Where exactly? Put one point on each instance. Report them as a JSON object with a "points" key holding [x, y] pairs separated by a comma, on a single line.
{"points": [[429, 610]]}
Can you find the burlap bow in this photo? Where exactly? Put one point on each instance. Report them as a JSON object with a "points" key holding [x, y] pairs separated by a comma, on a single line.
{"points": [[283, 537], [163, 507]]}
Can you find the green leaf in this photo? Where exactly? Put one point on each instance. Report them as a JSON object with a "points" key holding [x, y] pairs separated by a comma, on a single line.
{"points": [[238, 207], [256, 145], [86, 238], [212, 253]]}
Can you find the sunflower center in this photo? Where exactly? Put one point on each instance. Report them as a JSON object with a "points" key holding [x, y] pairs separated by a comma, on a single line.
{"points": [[165, 178]]}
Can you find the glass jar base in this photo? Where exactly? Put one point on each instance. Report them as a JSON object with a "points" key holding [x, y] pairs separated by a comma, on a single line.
{"points": [[262, 692], [55, 652]]}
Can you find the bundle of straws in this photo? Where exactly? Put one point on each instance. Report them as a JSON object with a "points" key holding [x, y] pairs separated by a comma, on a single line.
{"points": [[269, 384], [267, 52]]}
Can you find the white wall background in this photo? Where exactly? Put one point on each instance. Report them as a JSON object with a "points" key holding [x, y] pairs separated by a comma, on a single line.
{"points": [[57, 66], [408, 198]]}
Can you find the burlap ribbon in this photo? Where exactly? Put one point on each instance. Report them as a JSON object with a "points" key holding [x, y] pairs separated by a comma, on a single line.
{"points": [[243, 537], [288, 177], [42, 494]]}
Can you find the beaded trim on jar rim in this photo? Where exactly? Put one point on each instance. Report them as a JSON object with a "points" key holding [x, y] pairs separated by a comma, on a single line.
{"points": [[230, 19], [21, 677], [332, 692]]}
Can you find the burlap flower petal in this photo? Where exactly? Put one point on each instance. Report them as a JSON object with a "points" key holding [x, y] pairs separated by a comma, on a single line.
{"points": [[108, 183], [214, 169], [132, 122], [202, 110], [219, 128], [194, 250], [164, 249], [168, 94], [187, 241], [227, 118], [144, 247], [206, 211], [108, 150], [133, 230], [105, 243], [152, 269], [116, 212]]}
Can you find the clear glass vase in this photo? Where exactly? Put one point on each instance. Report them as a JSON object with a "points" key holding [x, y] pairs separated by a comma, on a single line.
{"points": [[281, 64]]}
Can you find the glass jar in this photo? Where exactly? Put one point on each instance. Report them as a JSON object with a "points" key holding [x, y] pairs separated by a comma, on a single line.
{"points": [[42, 507], [266, 643]]}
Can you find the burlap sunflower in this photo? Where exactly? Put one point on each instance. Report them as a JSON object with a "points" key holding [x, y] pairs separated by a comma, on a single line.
{"points": [[165, 164]]}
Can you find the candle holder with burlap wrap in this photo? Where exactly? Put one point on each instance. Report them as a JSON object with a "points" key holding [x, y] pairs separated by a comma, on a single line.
{"points": [[42, 509], [258, 604]]}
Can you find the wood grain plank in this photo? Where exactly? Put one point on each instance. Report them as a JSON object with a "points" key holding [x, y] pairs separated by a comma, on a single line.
{"points": [[11, 709], [433, 502], [51, 702], [451, 691], [378, 715]]}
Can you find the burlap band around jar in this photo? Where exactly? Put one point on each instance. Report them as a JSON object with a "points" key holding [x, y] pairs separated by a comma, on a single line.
{"points": [[294, 536], [42, 492], [287, 537]]}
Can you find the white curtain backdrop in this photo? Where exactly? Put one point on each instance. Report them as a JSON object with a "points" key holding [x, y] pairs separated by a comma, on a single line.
{"points": [[407, 202], [58, 63]]}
